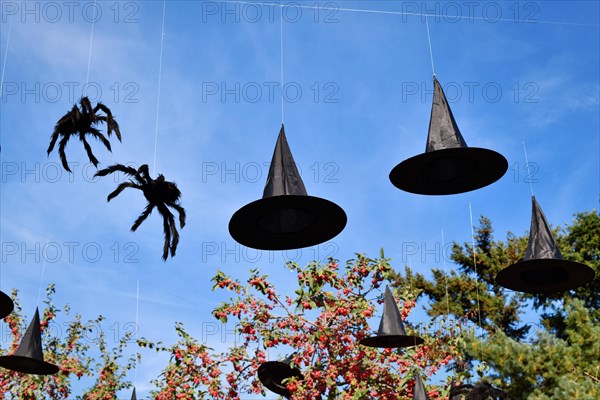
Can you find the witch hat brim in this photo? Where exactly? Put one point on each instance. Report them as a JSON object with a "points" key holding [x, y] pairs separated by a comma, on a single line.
{"points": [[286, 217], [6, 305], [448, 166], [272, 373], [449, 171], [392, 341], [543, 269], [27, 365], [391, 332], [545, 275], [29, 356], [287, 222]]}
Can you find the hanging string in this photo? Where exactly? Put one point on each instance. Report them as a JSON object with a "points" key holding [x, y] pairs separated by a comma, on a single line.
{"points": [[42, 274], [1, 87], [87, 77], [454, 17], [430, 51], [413, 294], [528, 171], [445, 274], [6, 53], [476, 283], [281, 58], [137, 325], [162, 37]]}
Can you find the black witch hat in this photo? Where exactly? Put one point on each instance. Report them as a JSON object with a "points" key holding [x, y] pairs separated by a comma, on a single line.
{"points": [[543, 270], [6, 305], [272, 373], [419, 393], [286, 217], [133, 395], [391, 333], [29, 357], [448, 165]]}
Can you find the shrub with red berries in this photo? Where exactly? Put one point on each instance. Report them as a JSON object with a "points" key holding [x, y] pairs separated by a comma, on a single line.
{"points": [[321, 323]]}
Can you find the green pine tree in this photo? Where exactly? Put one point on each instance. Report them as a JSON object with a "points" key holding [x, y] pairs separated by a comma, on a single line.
{"points": [[557, 358]]}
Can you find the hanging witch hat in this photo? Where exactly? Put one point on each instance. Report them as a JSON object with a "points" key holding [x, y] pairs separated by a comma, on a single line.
{"points": [[29, 357], [419, 392], [272, 373], [6, 305], [391, 333], [543, 270], [286, 217], [448, 165], [133, 396]]}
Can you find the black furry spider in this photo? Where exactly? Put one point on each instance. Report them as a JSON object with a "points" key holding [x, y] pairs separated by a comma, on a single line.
{"points": [[81, 121], [159, 193]]}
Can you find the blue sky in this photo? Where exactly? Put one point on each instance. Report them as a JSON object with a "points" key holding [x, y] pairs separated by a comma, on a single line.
{"points": [[358, 89]]}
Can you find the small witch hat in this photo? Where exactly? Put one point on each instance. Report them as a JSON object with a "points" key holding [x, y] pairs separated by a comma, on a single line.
{"points": [[6, 305], [286, 217], [29, 357], [391, 333], [543, 270], [272, 373], [448, 165], [419, 392], [133, 396]]}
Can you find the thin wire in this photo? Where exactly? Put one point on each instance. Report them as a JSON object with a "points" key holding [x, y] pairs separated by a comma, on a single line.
{"points": [[453, 17], [1, 86], [528, 171], [42, 274], [137, 324], [445, 274], [281, 61], [430, 51], [162, 37], [476, 282], [413, 294], [87, 78], [6, 53]]}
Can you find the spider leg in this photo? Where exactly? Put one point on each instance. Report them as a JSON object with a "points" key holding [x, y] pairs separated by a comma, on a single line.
{"points": [[98, 135], [61, 152], [60, 126], [175, 234], [86, 106], [181, 212], [173, 228], [144, 172], [110, 121], [164, 211], [120, 188], [53, 139], [117, 167], [145, 214], [88, 149]]}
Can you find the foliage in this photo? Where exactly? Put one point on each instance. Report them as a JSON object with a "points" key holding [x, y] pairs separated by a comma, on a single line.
{"points": [[70, 352], [560, 359], [321, 323]]}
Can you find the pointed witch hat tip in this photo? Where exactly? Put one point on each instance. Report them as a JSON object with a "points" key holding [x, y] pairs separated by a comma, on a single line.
{"points": [[29, 356], [543, 269], [133, 395], [391, 332], [448, 165], [6, 305], [419, 391], [272, 373], [286, 217]]}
